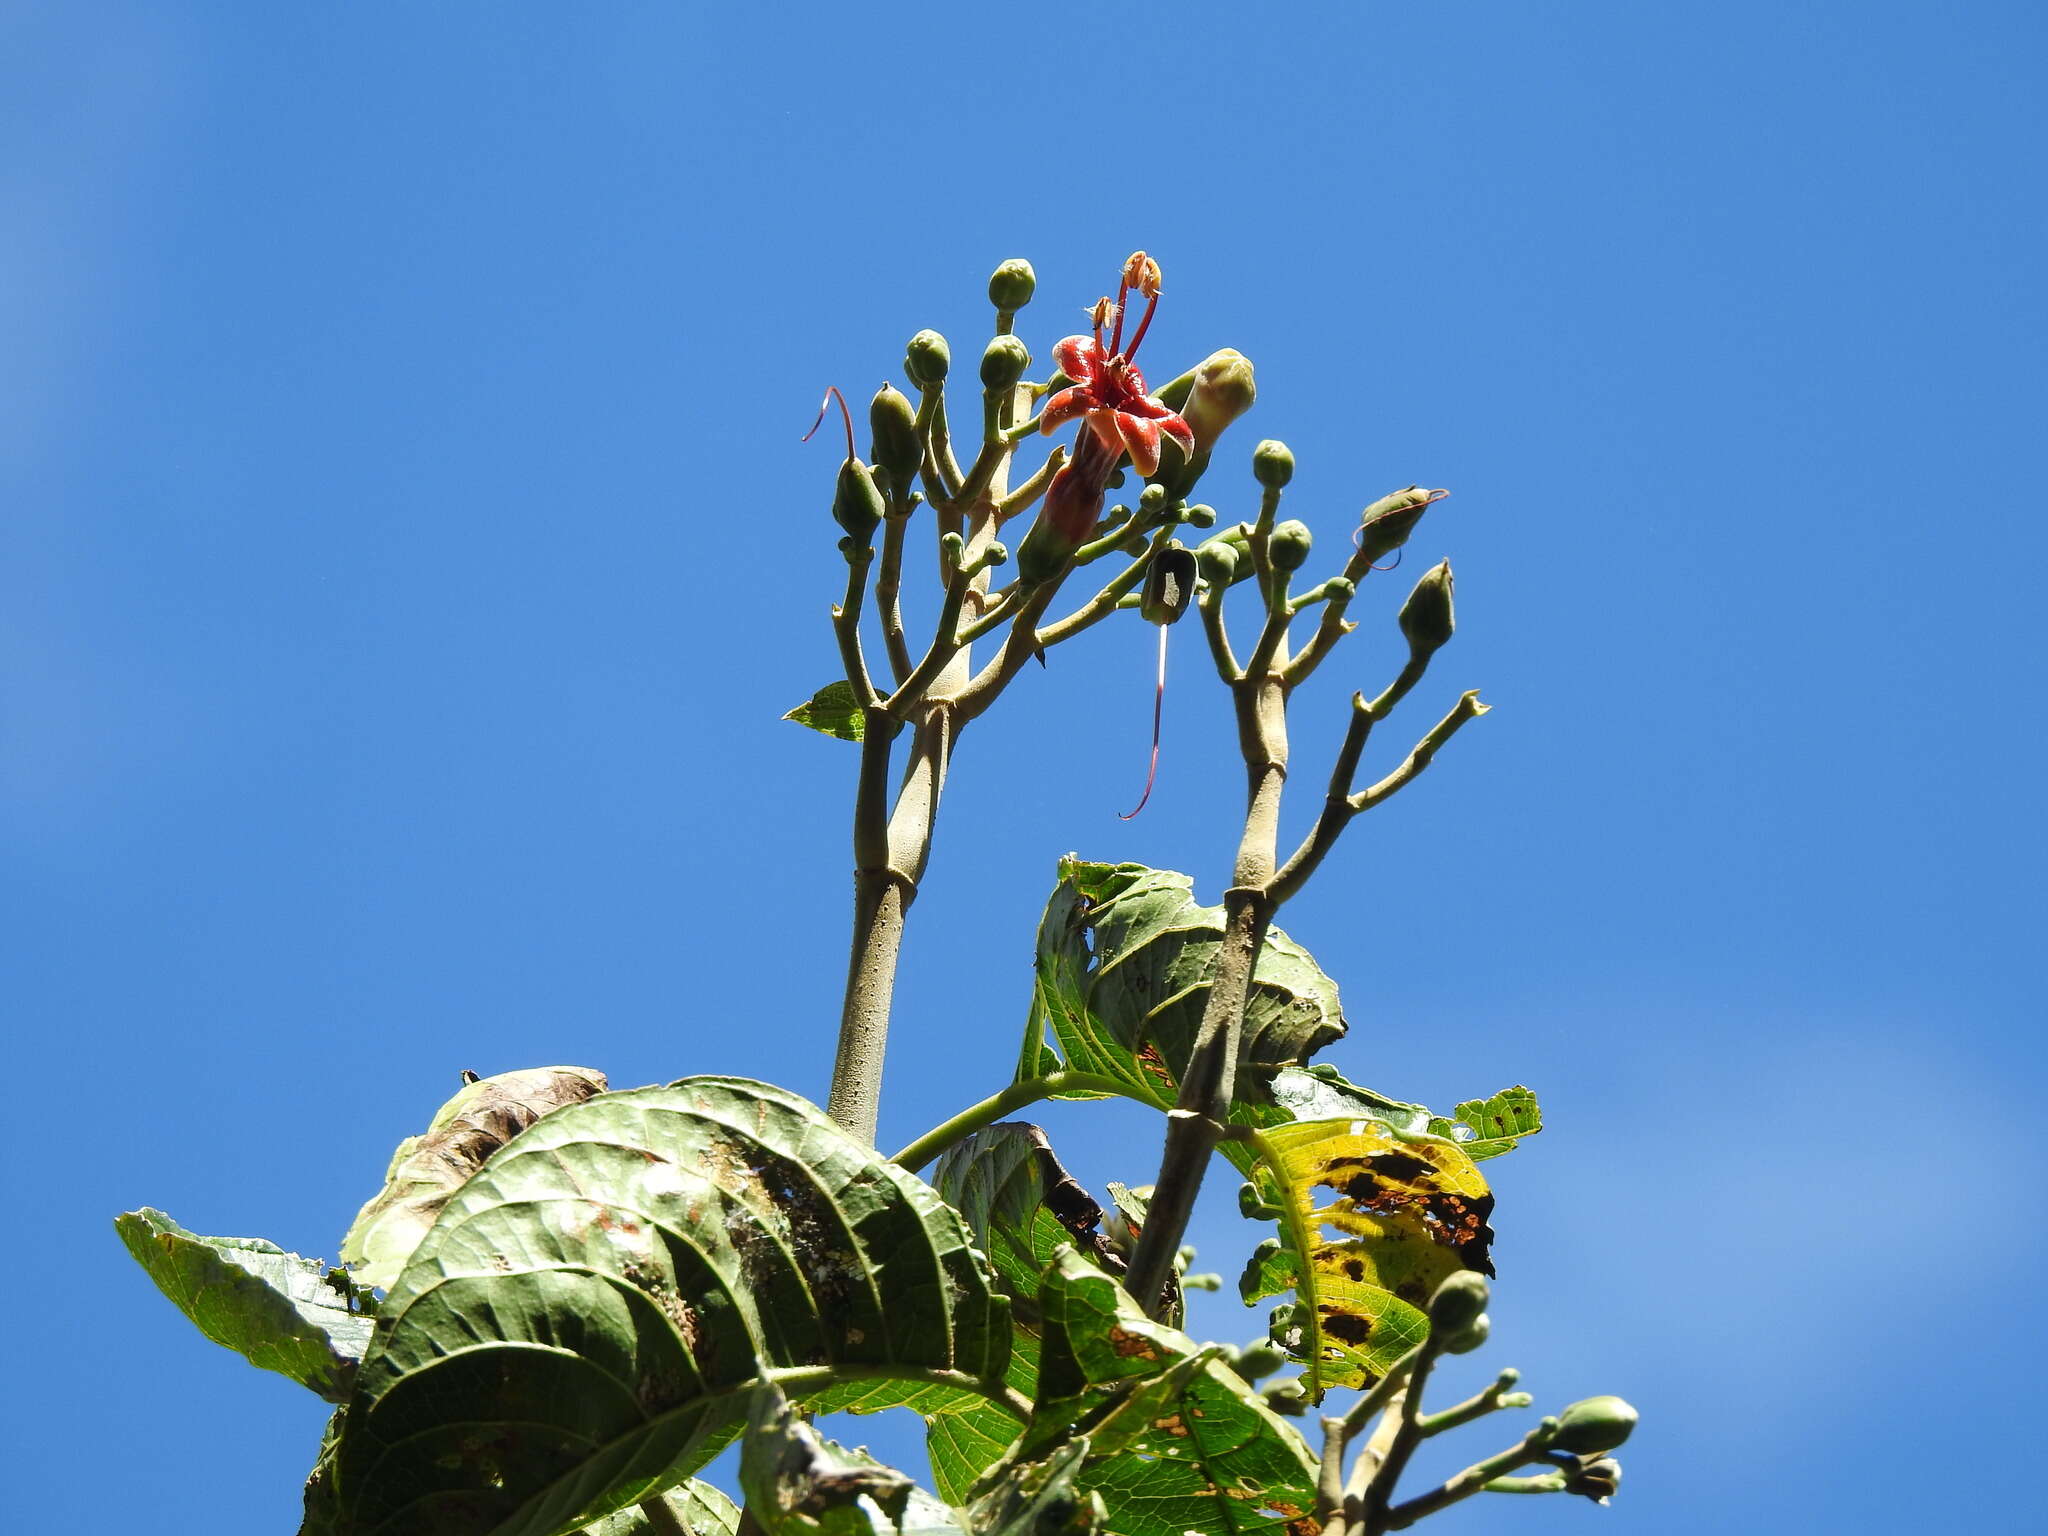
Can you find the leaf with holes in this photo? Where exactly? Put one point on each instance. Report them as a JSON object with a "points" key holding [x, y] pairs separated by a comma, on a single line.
{"points": [[1409, 1210], [427, 1169], [1483, 1128], [592, 1312], [280, 1312], [1486, 1128], [832, 711], [1124, 960]]}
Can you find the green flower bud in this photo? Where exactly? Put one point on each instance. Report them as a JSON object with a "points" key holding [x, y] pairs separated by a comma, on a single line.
{"points": [[1458, 1302], [1199, 515], [1287, 546], [1257, 1360], [1252, 1205], [1470, 1337], [1012, 285], [1595, 1426], [1003, 364], [1222, 392], [892, 425], [927, 359], [1426, 617], [1272, 464], [1044, 553], [857, 503], [1289, 1397], [1218, 560], [1385, 525], [1169, 585]]}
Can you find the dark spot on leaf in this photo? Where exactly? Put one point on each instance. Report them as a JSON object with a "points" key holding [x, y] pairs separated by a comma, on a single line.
{"points": [[1347, 1327], [1401, 1166], [1354, 1269]]}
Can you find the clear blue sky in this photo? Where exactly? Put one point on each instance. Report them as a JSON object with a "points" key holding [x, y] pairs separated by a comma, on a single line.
{"points": [[406, 555]]}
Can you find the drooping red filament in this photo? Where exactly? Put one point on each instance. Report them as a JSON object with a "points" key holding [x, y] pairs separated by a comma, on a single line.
{"points": [[1158, 709]]}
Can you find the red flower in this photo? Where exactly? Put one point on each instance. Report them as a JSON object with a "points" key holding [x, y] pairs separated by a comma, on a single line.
{"points": [[1108, 393]]}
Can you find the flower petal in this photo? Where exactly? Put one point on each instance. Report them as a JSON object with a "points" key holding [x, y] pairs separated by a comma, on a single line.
{"points": [[1079, 357], [1177, 428], [1063, 408], [1141, 437]]}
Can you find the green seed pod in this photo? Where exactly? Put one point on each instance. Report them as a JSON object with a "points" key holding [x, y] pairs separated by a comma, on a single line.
{"points": [[1003, 364], [1218, 561], [1011, 287], [1385, 525], [1256, 1360], [1272, 464], [1594, 1426], [892, 424], [1287, 546], [1426, 618], [1169, 585], [1458, 1303], [927, 359], [1470, 1337], [857, 502]]}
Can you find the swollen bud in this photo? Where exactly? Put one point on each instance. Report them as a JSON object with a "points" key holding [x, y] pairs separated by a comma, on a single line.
{"points": [[1470, 1337], [1200, 515], [857, 503], [1003, 364], [1218, 561], [1012, 285], [1426, 617], [1385, 525], [1458, 1302], [892, 424], [1595, 1426], [1169, 585], [1223, 391], [1256, 1360], [1287, 546], [1272, 464], [927, 359], [1289, 1397]]}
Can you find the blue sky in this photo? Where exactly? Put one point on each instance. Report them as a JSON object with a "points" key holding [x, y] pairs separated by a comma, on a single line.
{"points": [[407, 556]]}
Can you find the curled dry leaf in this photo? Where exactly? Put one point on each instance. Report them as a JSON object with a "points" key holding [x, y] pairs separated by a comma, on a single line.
{"points": [[426, 1170]]}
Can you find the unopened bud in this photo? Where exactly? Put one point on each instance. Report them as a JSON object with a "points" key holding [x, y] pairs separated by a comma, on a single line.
{"points": [[1272, 464], [1169, 585], [1385, 525], [1458, 1302], [1199, 515], [1426, 618], [1287, 546], [927, 359], [1470, 1337], [1012, 285], [857, 503], [1595, 1426], [1223, 391], [892, 425], [1256, 1360], [1003, 364], [1218, 562], [1289, 1397]]}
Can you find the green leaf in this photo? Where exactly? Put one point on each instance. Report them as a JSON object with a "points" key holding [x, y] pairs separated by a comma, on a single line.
{"points": [[278, 1311], [427, 1169], [592, 1312], [1409, 1210], [798, 1483], [1124, 959], [834, 711], [697, 1507], [1179, 1441], [1039, 1498], [1022, 1207], [1488, 1127]]}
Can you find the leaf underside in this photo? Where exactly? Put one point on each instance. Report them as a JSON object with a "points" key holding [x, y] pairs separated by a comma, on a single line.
{"points": [[279, 1311], [832, 711], [591, 1314]]}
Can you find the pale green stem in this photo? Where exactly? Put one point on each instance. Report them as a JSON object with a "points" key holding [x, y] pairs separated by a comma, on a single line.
{"points": [[939, 1138]]}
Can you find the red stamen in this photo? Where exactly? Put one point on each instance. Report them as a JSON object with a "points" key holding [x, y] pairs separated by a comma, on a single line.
{"points": [[1158, 708], [1123, 287], [1150, 305], [831, 394]]}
